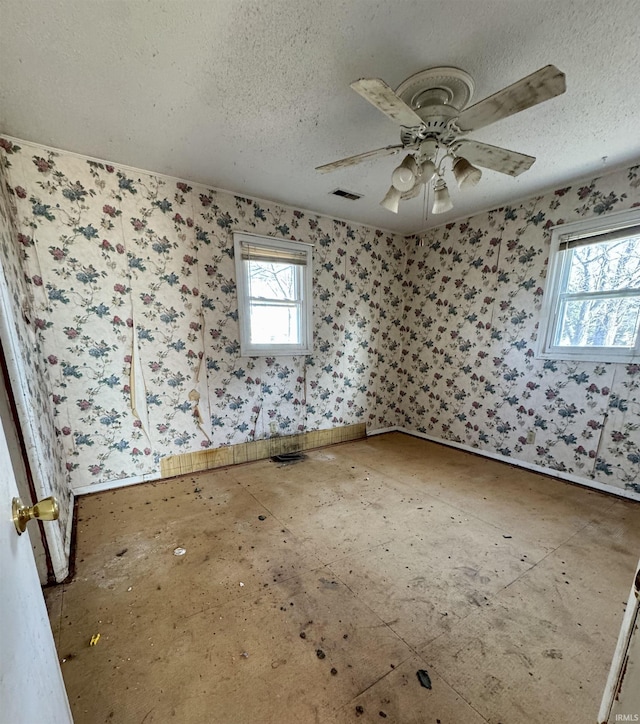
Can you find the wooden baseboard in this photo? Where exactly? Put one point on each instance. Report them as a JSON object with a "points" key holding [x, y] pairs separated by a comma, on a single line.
{"points": [[173, 465]]}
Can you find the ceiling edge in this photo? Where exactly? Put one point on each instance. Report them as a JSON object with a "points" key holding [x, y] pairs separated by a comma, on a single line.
{"points": [[521, 199], [592, 176], [135, 169]]}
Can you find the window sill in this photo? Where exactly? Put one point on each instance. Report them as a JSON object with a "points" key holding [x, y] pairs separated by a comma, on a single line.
{"points": [[276, 352]]}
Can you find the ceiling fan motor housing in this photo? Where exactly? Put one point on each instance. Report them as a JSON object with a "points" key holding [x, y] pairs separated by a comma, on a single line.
{"points": [[436, 125], [437, 95]]}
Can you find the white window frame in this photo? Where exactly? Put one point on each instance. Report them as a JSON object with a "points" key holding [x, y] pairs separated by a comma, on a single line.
{"points": [[556, 278], [304, 299]]}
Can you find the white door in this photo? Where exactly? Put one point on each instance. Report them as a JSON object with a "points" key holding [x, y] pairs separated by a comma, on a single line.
{"points": [[621, 700], [31, 686]]}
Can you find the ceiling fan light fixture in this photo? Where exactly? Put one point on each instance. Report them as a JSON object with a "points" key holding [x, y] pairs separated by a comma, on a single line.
{"points": [[441, 199], [404, 176], [392, 199], [465, 173], [427, 171]]}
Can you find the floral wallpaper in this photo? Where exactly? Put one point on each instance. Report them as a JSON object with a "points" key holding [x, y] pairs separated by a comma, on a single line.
{"points": [[468, 373], [25, 362], [135, 311], [135, 326]]}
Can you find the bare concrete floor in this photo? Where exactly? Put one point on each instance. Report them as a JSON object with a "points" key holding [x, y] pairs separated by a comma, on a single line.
{"points": [[314, 592]]}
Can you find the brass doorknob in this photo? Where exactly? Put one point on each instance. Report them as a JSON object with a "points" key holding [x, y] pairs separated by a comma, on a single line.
{"points": [[45, 509]]}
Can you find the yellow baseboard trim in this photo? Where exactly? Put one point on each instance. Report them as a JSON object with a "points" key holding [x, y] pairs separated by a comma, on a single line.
{"points": [[247, 452]]}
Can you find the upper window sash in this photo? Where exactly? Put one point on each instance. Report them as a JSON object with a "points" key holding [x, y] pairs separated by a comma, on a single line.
{"points": [[571, 241], [564, 239], [251, 251], [252, 247]]}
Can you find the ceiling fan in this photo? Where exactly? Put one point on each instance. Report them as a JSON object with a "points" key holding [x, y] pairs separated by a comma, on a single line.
{"points": [[430, 108]]}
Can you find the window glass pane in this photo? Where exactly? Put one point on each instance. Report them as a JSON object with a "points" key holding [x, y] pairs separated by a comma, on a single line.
{"points": [[273, 280], [607, 266], [599, 322], [275, 295], [274, 324]]}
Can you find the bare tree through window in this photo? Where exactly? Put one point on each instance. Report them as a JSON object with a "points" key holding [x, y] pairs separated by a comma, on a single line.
{"points": [[591, 307]]}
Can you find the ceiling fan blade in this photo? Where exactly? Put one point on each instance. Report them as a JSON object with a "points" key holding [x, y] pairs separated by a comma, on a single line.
{"points": [[546, 83], [353, 160], [493, 157], [379, 94]]}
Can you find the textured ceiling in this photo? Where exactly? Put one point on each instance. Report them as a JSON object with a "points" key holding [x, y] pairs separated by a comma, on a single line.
{"points": [[251, 95]]}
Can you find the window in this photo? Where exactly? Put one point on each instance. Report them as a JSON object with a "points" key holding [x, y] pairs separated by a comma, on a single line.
{"points": [[591, 306], [274, 295]]}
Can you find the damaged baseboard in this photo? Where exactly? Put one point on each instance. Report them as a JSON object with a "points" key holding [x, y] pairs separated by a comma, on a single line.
{"points": [[261, 449], [233, 454], [173, 465]]}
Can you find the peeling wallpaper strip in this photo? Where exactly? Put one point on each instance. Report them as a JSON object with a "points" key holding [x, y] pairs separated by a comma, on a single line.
{"points": [[138, 387]]}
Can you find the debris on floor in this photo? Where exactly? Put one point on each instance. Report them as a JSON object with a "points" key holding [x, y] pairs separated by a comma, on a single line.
{"points": [[329, 585], [262, 517], [552, 653], [289, 458], [178, 643], [94, 639], [423, 678]]}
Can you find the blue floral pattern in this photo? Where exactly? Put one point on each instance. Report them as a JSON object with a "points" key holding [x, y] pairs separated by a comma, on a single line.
{"points": [[26, 361], [128, 270], [472, 303], [122, 262]]}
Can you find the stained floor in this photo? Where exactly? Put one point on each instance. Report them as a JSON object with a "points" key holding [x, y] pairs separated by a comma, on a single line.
{"points": [[314, 592]]}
